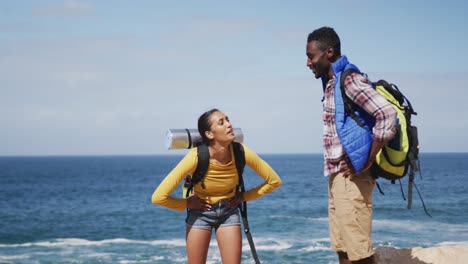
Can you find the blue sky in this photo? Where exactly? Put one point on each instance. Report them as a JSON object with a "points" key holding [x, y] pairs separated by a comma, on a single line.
{"points": [[110, 77]]}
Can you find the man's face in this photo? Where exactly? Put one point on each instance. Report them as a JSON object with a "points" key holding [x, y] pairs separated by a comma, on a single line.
{"points": [[317, 60]]}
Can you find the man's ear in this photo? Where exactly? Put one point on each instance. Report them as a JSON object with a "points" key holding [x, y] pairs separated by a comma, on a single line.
{"points": [[330, 52], [209, 135]]}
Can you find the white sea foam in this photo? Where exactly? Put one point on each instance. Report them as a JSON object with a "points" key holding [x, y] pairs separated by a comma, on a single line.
{"points": [[309, 219], [321, 219], [398, 224], [261, 243], [179, 259], [453, 243], [171, 242], [98, 255], [213, 256], [280, 244], [318, 240], [414, 225], [77, 242], [151, 260], [268, 244], [15, 257], [381, 243], [315, 248], [315, 244]]}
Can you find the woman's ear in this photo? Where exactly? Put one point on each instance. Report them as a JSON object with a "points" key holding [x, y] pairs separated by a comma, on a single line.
{"points": [[209, 135]]}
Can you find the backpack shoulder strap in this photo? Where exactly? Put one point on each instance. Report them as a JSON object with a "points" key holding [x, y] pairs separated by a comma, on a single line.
{"points": [[202, 167], [203, 155], [345, 74], [239, 156], [349, 104]]}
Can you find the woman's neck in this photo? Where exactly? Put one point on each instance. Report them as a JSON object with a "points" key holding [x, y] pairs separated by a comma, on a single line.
{"points": [[220, 153]]}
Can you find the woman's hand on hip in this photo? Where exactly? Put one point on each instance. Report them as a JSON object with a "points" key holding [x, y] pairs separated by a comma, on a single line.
{"points": [[236, 200], [194, 202]]}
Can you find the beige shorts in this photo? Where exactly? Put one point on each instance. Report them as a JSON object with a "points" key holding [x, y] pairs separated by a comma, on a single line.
{"points": [[350, 214]]}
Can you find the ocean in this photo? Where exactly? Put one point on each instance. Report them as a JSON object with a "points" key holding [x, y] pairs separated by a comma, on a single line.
{"points": [[97, 209]]}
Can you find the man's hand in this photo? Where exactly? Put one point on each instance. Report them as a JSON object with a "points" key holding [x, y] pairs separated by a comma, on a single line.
{"points": [[368, 165], [375, 148], [347, 168]]}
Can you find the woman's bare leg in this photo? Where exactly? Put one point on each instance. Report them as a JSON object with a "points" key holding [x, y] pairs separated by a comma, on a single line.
{"points": [[230, 244], [198, 241]]}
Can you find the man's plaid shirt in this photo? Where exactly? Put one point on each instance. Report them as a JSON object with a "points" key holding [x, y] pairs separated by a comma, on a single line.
{"points": [[358, 88]]}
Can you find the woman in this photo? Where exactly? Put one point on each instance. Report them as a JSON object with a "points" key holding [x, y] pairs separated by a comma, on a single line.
{"points": [[215, 205]]}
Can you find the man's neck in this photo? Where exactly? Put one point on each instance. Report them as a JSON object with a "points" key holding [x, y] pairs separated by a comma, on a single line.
{"points": [[331, 74]]}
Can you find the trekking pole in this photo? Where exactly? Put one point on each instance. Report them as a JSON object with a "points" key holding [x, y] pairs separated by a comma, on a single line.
{"points": [[410, 188], [243, 209], [412, 158]]}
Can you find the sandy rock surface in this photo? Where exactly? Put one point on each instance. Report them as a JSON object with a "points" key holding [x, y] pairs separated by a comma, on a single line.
{"points": [[418, 255]]}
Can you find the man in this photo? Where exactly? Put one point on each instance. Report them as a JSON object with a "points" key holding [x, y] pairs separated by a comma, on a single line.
{"points": [[349, 148]]}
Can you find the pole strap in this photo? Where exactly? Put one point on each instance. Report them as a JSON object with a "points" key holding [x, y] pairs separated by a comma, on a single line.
{"points": [[245, 222]]}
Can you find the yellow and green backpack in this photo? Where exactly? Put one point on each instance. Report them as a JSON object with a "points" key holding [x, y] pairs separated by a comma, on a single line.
{"points": [[401, 152], [400, 155]]}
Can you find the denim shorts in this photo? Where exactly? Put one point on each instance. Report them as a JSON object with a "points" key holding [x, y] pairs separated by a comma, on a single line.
{"points": [[219, 215]]}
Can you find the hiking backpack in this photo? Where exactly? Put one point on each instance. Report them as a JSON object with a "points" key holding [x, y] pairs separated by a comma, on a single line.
{"points": [[203, 155], [400, 155]]}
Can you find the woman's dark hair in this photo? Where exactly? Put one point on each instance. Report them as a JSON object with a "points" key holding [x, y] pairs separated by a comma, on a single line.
{"points": [[204, 124], [326, 37]]}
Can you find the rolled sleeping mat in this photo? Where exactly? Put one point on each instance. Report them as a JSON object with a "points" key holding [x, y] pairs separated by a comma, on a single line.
{"points": [[189, 138]]}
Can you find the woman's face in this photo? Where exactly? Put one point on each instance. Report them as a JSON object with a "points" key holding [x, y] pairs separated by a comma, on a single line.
{"points": [[221, 129]]}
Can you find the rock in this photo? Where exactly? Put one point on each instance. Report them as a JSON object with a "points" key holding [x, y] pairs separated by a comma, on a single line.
{"points": [[418, 255]]}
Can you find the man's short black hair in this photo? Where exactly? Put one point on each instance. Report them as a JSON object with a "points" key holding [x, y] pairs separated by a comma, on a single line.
{"points": [[326, 37]]}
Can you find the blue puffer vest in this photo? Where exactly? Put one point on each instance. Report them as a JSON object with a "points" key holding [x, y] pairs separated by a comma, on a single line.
{"points": [[356, 140]]}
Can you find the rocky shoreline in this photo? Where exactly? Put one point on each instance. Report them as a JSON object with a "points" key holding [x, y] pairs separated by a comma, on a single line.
{"points": [[456, 254]]}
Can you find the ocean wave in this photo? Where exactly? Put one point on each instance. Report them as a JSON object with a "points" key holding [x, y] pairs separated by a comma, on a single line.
{"points": [[267, 244], [77, 242], [380, 243], [315, 248], [151, 260], [280, 244], [24, 256], [398, 224], [15, 257], [319, 240], [416, 225], [261, 243], [106, 257], [453, 243], [305, 218]]}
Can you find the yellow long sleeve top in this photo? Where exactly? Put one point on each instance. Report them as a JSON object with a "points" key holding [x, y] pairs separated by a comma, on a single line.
{"points": [[220, 180]]}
